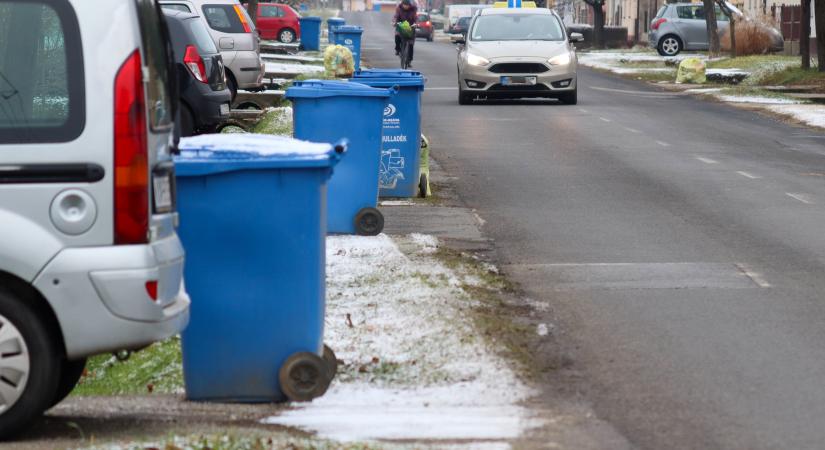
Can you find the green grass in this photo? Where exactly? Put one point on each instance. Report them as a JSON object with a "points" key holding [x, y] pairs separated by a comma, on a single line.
{"points": [[752, 62], [156, 369], [275, 122], [796, 76]]}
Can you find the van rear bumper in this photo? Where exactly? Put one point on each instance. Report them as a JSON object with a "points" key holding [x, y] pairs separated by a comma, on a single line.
{"points": [[101, 301]]}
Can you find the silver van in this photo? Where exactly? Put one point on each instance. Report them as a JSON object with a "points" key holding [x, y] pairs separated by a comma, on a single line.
{"points": [[235, 36], [89, 258]]}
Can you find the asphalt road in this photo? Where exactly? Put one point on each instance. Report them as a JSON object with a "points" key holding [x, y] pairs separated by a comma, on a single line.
{"points": [[679, 243]]}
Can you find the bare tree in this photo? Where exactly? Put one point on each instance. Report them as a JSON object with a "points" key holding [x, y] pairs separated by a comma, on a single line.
{"points": [[819, 13], [805, 35], [598, 22], [713, 28], [252, 9]]}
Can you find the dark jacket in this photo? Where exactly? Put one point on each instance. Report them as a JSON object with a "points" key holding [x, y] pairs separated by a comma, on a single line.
{"points": [[409, 15]]}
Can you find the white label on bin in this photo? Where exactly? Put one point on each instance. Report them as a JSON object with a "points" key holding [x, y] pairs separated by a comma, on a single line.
{"points": [[392, 139], [390, 110], [392, 166], [347, 41]]}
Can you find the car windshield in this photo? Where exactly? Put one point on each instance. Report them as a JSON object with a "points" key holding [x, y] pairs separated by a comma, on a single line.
{"points": [[517, 27]]}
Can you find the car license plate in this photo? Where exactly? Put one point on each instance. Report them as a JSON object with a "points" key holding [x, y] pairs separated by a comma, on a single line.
{"points": [[518, 81], [163, 193], [224, 109]]}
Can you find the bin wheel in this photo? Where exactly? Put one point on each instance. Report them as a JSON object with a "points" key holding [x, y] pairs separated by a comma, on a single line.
{"points": [[369, 222], [304, 377], [332, 362], [422, 185]]}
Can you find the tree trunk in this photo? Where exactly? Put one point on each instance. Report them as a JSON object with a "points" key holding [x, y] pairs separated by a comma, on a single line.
{"points": [[252, 9], [713, 29], [732, 31], [598, 25], [805, 35], [819, 12]]}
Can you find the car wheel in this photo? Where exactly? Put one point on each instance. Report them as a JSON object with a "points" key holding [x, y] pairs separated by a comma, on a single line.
{"points": [[669, 45], [465, 98], [187, 121], [70, 373], [286, 36], [430, 37], [569, 98], [29, 364]]}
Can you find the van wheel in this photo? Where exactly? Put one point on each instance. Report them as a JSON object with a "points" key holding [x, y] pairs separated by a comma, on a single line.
{"points": [[286, 36], [29, 364], [70, 373]]}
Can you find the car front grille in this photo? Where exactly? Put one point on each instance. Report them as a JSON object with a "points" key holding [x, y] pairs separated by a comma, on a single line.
{"points": [[519, 68], [525, 88]]}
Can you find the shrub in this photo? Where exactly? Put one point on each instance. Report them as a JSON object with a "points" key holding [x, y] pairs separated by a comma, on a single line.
{"points": [[753, 37]]}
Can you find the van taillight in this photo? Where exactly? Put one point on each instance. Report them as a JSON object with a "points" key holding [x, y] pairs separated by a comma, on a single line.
{"points": [[131, 155], [193, 61], [242, 16], [657, 22]]}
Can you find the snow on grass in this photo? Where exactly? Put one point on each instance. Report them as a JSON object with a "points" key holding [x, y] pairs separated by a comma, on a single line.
{"points": [[813, 115], [757, 99], [292, 68], [414, 365]]}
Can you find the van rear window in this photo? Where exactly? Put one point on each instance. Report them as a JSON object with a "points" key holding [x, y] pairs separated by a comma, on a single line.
{"points": [[156, 59], [225, 18], [42, 94]]}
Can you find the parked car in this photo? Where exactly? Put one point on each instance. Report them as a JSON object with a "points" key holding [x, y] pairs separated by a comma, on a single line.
{"points": [[460, 26], [235, 36], [277, 21], [516, 53], [90, 261], [204, 97], [425, 27], [682, 26]]}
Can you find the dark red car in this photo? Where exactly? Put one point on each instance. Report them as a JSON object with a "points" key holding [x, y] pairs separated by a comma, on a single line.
{"points": [[278, 22], [425, 27]]}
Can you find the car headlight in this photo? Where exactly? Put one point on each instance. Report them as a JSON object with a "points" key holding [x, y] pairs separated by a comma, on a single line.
{"points": [[475, 60], [560, 60]]}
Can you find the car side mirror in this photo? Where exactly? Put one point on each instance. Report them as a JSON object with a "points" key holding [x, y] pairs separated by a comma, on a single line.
{"points": [[576, 37], [459, 39]]}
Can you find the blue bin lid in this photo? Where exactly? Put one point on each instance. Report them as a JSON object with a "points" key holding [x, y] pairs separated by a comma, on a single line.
{"points": [[217, 153], [336, 20], [389, 78], [309, 19], [349, 29], [334, 88]]}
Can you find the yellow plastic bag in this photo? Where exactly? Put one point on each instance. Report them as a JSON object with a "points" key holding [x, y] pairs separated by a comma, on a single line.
{"points": [[692, 71], [338, 61]]}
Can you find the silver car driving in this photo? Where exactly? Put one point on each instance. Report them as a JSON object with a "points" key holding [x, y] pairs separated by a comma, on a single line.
{"points": [[516, 53]]}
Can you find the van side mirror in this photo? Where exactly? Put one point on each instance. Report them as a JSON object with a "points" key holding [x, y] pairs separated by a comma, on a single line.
{"points": [[576, 37]]}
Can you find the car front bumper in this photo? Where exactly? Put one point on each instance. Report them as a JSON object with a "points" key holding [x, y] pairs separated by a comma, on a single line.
{"points": [[556, 80]]}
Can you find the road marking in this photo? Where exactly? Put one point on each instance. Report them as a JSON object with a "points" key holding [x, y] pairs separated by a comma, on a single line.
{"points": [[632, 130], [748, 175], [663, 144], [707, 160], [801, 197], [604, 120], [583, 110], [756, 277]]}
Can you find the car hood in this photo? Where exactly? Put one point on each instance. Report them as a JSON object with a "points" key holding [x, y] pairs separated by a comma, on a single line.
{"points": [[515, 49]]}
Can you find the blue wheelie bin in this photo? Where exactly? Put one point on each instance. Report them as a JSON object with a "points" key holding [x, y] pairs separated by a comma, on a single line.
{"points": [[350, 37], [332, 23], [310, 33], [326, 108], [253, 222], [400, 157]]}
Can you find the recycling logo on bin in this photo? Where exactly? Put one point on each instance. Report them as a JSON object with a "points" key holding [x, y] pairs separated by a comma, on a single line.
{"points": [[392, 163], [347, 41]]}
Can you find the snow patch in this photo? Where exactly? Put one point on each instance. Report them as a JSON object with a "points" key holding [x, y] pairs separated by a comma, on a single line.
{"points": [[414, 366], [757, 99], [813, 115], [292, 68], [253, 144]]}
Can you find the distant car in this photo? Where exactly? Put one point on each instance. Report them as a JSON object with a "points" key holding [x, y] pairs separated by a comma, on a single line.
{"points": [[516, 53], [204, 97], [425, 27], [279, 22], [460, 26], [682, 26], [90, 262], [234, 34]]}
